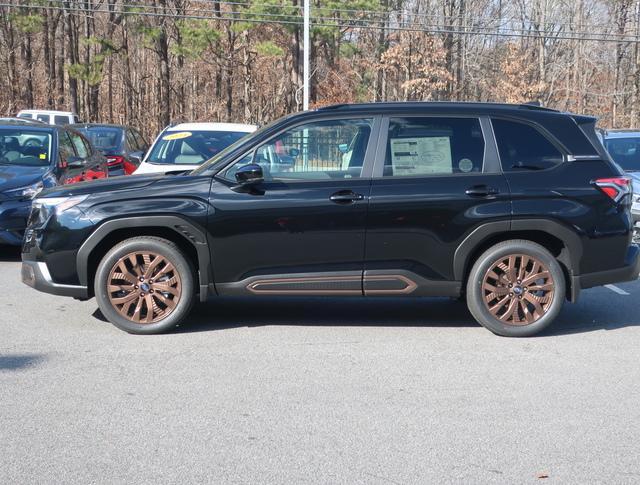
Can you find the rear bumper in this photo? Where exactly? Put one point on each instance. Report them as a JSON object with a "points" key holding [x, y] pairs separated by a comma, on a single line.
{"points": [[36, 275], [628, 272]]}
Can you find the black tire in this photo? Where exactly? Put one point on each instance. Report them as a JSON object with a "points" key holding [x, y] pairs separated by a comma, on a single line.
{"points": [[182, 270], [476, 289]]}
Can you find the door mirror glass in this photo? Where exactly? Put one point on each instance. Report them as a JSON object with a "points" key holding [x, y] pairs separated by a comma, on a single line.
{"points": [[249, 174]]}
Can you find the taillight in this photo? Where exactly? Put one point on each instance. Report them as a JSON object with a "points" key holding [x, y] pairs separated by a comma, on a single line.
{"points": [[616, 187], [115, 160]]}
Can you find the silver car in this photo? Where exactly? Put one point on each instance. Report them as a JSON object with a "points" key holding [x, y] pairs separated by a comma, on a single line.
{"points": [[624, 148]]}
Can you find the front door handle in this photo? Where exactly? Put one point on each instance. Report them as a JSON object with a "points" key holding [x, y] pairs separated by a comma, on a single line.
{"points": [[481, 191], [345, 197]]}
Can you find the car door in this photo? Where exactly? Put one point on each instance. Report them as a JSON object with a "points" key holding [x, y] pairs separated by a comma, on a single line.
{"points": [[134, 152], [94, 165], [437, 179], [70, 171], [301, 231]]}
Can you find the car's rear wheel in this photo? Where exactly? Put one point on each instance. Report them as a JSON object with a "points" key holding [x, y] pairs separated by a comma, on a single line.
{"points": [[516, 288], [145, 285]]}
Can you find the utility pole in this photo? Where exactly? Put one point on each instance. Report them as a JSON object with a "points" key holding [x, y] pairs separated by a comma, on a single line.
{"points": [[306, 49]]}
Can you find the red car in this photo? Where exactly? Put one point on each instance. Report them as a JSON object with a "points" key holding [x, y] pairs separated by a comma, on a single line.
{"points": [[123, 146]]}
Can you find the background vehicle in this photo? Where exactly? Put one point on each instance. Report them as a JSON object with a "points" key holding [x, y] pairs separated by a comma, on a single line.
{"points": [[34, 156], [514, 207], [187, 145], [50, 117], [624, 148], [123, 146]]}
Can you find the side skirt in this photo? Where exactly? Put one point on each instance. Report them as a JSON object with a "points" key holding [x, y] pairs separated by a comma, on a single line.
{"points": [[344, 283]]}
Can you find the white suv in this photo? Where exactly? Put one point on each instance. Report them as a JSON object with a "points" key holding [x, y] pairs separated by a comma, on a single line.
{"points": [[50, 117], [187, 145]]}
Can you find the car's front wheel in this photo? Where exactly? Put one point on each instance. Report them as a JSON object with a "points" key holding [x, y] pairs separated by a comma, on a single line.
{"points": [[145, 285], [516, 288]]}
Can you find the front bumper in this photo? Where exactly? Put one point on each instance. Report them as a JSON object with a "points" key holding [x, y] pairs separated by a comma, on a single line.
{"points": [[628, 272], [13, 221], [36, 275]]}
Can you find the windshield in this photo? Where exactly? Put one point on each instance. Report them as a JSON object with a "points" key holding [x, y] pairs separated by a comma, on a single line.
{"points": [[23, 147], [625, 152], [191, 147], [104, 139]]}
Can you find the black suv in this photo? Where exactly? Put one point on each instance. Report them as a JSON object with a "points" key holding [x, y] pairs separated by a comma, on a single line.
{"points": [[513, 207]]}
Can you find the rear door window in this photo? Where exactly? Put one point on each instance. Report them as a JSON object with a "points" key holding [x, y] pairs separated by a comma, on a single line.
{"points": [[43, 118], [426, 146], [522, 147]]}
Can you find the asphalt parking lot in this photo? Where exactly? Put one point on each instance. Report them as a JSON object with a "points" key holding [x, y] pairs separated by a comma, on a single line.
{"points": [[317, 391]]}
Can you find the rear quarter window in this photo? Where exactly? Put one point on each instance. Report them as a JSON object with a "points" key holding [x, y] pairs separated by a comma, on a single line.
{"points": [[523, 147]]}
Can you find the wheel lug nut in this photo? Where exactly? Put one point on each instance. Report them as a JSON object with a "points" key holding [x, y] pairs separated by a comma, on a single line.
{"points": [[141, 278], [141, 295], [135, 287]]}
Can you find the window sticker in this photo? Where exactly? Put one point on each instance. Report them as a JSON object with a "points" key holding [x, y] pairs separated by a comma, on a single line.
{"points": [[418, 156], [465, 165], [177, 136]]}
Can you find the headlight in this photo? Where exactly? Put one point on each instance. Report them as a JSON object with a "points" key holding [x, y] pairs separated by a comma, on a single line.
{"points": [[44, 207], [28, 192]]}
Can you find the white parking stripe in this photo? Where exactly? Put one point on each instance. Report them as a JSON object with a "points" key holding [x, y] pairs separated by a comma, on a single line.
{"points": [[617, 290]]}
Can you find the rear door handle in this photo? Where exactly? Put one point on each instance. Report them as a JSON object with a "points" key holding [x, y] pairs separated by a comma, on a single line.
{"points": [[345, 197], [481, 191]]}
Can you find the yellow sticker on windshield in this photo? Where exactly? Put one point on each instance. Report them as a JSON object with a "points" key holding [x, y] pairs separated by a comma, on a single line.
{"points": [[43, 156], [177, 136]]}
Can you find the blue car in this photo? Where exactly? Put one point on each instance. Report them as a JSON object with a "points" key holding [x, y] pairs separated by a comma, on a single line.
{"points": [[35, 156]]}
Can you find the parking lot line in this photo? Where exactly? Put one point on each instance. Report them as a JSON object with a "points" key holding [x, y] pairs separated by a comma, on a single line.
{"points": [[617, 290]]}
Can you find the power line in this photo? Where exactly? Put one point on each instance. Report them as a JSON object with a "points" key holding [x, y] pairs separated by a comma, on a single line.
{"points": [[360, 25], [403, 12]]}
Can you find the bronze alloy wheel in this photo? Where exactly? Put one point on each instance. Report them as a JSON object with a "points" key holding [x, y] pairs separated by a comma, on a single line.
{"points": [[518, 289], [144, 287]]}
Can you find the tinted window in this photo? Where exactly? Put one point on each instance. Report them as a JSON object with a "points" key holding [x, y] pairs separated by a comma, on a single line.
{"points": [[65, 146], [43, 118], [61, 120], [316, 151], [191, 147], [104, 139], [625, 152], [25, 115], [142, 143], [433, 146], [79, 145], [131, 141], [24, 147], [522, 147]]}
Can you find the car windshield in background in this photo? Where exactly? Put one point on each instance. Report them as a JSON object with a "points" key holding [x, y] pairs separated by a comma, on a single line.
{"points": [[625, 152], [191, 147], [104, 139], [25, 148]]}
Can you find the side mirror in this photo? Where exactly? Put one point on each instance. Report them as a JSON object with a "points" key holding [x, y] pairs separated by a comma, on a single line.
{"points": [[76, 162], [249, 174], [136, 157]]}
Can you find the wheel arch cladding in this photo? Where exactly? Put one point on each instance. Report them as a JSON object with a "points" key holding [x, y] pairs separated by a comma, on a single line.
{"points": [[190, 238], [559, 240]]}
